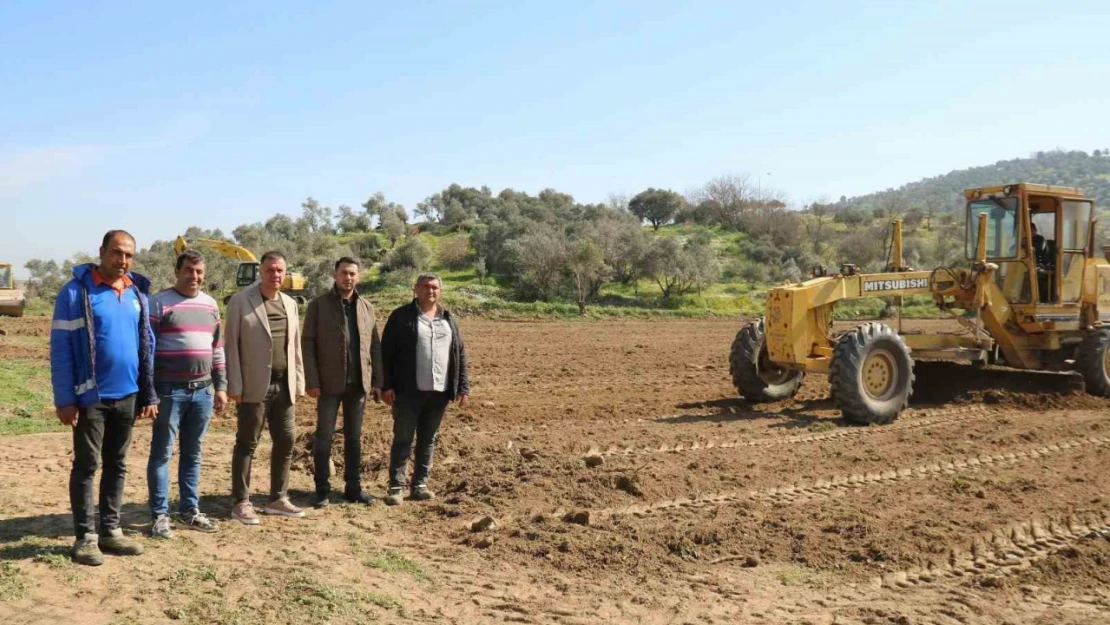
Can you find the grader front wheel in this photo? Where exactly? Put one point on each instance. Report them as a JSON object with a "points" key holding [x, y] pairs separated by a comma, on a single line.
{"points": [[1093, 361], [871, 374], [753, 374]]}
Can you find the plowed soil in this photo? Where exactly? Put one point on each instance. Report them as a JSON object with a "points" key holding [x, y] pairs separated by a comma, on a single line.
{"points": [[628, 483]]}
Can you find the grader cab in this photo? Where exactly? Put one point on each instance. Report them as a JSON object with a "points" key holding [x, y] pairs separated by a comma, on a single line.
{"points": [[1035, 296]]}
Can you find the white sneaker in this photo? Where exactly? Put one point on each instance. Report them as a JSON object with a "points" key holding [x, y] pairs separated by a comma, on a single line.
{"points": [[284, 507], [163, 527]]}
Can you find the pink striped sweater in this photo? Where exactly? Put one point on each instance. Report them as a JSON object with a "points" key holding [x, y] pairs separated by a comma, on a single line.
{"points": [[188, 341]]}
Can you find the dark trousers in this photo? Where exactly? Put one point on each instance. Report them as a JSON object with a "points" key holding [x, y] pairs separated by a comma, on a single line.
{"points": [[103, 431], [277, 409], [353, 401], [417, 415]]}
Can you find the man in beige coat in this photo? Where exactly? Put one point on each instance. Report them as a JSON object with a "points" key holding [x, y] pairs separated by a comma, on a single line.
{"points": [[265, 375]]}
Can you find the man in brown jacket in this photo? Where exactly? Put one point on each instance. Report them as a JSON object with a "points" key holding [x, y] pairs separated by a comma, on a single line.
{"points": [[342, 357], [265, 375]]}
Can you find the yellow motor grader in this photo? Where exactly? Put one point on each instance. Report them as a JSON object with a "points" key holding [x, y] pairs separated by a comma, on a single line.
{"points": [[12, 299], [1035, 297]]}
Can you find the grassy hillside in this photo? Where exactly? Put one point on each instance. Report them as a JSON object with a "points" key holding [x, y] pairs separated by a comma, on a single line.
{"points": [[736, 294], [1088, 171], [512, 254]]}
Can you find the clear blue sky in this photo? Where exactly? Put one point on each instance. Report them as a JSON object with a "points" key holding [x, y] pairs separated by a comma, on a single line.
{"points": [[153, 117]]}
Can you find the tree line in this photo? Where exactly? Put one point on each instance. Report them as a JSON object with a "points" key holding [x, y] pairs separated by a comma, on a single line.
{"points": [[659, 244]]}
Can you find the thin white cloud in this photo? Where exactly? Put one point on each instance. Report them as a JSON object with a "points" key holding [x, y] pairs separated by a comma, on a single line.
{"points": [[23, 170]]}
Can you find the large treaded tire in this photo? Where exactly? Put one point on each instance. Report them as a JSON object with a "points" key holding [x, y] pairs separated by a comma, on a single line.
{"points": [[876, 352], [752, 374], [1091, 361]]}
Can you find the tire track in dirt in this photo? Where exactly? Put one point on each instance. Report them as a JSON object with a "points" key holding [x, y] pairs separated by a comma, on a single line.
{"points": [[1005, 550], [948, 417], [844, 483]]}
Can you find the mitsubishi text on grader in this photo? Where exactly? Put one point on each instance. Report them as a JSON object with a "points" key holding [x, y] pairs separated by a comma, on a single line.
{"points": [[1035, 297]]}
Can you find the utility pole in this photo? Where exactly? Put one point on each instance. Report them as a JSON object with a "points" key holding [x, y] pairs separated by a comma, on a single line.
{"points": [[759, 185]]}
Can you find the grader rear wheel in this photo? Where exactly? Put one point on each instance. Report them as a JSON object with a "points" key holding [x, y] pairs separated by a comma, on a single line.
{"points": [[1093, 361], [753, 374], [871, 374]]}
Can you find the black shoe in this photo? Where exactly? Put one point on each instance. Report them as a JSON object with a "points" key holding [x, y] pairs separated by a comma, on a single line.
{"points": [[321, 500], [359, 497]]}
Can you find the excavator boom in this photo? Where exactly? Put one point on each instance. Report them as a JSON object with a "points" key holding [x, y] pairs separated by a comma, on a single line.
{"points": [[226, 249]]}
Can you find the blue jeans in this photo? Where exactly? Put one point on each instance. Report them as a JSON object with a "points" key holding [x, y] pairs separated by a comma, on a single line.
{"points": [[188, 412]]}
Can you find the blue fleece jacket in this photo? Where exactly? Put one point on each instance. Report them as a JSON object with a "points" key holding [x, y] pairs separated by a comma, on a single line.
{"points": [[74, 348]]}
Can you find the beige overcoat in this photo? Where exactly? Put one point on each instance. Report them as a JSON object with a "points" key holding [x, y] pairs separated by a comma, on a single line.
{"points": [[248, 343]]}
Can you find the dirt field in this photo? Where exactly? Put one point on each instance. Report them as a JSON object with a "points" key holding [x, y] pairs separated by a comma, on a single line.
{"points": [[627, 483]]}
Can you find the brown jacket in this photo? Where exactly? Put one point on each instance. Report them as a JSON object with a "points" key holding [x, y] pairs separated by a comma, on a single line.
{"points": [[325, 342], [248, 344]]}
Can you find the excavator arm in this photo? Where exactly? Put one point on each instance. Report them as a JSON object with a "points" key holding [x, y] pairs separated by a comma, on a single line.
{"points": [[225, 248]]}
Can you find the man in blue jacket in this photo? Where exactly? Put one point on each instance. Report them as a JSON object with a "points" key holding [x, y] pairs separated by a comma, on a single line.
{"points": [[102, 371]]}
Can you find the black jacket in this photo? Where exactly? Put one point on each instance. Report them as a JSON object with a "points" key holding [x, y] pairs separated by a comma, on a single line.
{"points": [[399, 354]]}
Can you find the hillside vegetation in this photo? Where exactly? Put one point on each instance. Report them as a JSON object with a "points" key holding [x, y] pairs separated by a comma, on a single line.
{"points": [[713, 251]]}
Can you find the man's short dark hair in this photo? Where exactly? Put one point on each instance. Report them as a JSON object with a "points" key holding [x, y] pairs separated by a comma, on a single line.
{"points": [[272, 255], [111, 234], [346, 260], [427, 277], [192, 256]]}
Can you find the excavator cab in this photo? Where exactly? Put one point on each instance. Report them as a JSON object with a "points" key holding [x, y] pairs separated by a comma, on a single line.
{"points": [[246, 274]]}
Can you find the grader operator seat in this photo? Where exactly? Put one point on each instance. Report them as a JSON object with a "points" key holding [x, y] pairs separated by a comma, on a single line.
{"points": [[1060, 245], [1044, 255]]}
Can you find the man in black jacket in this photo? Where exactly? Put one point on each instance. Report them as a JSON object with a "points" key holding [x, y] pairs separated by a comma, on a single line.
{"points": [[424, 370]]}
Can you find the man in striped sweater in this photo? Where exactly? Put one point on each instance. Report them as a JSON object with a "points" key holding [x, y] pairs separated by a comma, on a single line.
{"points": [[190, 376]]}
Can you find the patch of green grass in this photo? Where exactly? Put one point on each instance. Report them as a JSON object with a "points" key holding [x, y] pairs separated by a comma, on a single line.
{"points": [[799, 576], [317, 602], [382, 601], [13, 584], [206, 610], [393, 562], [26, 400], [203, 573], [37, 307], [54, 561], [36, 548], [822, 426]]}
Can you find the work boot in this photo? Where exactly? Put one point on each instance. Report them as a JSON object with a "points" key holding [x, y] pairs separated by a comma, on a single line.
{"points": [[199, 521], [394, 497], [163, 528], [86, 551], [244, 513], [117, 544], [420, 492], [284, 507]]}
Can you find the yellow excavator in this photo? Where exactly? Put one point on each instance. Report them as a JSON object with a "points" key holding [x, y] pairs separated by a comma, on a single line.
{"points": [[247, 272], [12, 300], [1036, 297]]}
